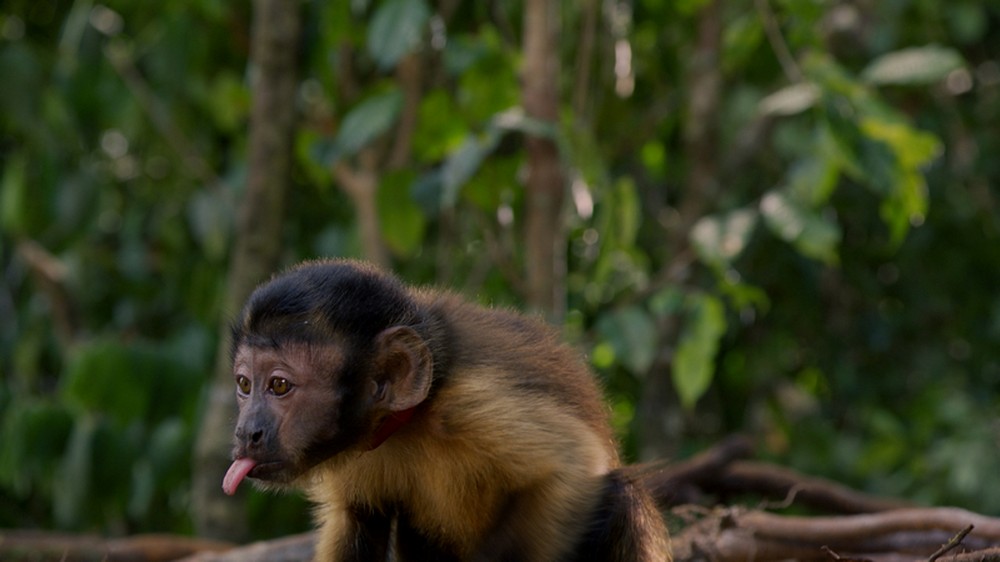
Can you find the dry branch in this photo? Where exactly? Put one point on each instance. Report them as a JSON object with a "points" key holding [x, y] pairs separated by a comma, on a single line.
{"points": [[40, 546], [296, 548], [916, 532], [682, 482], [778, 482]]}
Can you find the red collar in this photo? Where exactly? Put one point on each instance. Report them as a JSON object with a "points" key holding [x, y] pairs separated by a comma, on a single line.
{"points": [[390, 425]]}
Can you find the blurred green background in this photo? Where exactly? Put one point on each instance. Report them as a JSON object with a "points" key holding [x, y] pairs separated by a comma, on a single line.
{"points": [[818, 270]]}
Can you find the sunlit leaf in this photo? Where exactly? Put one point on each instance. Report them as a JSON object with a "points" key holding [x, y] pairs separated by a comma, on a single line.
{"points": [[602, 356], [913, 66], [913, 147], [719, 239], [694, 358], [812, 233], [790, 100], [905, 203], [906, 206], [396, 29]]}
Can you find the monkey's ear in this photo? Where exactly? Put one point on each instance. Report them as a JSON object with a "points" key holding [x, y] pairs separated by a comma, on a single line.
{"points": [[405, 366]]}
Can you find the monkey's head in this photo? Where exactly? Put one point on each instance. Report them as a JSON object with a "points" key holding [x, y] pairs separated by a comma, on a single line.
{"points": [[325, 356]]}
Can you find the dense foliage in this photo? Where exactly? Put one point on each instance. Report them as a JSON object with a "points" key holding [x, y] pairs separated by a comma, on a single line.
{"points": [[830, 289]]}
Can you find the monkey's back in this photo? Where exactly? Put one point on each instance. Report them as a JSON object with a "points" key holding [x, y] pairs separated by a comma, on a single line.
{"points": [[523, 353]]}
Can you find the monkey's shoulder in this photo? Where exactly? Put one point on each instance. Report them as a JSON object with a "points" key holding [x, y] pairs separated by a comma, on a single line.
{"points": [[509, 372]]}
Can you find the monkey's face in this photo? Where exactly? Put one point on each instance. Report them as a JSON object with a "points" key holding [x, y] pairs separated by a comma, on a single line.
{"points": [[301, 404], [297, 407]]}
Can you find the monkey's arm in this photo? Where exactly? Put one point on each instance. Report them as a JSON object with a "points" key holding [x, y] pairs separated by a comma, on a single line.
{"points": [[554, 465], [357, 534]]}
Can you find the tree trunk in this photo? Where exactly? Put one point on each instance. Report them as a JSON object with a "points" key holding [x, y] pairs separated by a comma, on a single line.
{"points": [[256, 248], [545, 180]]}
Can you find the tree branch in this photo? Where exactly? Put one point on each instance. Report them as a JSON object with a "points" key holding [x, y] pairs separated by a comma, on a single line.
{"points": [[545, 178], [780, 482], [730, 535], [360, 182]]}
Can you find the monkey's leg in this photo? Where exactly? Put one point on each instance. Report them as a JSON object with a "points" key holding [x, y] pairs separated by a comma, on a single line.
{"points": [[412, 545], [542, 522]]}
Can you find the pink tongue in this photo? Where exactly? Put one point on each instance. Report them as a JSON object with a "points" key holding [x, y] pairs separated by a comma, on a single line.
{"points": [[236, 473]]}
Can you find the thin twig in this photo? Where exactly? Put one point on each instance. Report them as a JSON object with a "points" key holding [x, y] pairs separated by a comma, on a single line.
{"points": [[955, 541], [777, 41], [120, 57], [829, 551]]}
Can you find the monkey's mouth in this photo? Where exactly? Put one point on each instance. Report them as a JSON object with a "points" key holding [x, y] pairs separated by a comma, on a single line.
{"points": [[243, 467], [270, 470]]}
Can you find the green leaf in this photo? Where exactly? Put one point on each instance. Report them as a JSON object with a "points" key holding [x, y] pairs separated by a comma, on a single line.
{"points": [[790, 100], [436, 136], [905, 203], [668, 300], [913, 66], [101, 378], [400, 217], [627, 214], [73, 486], [812, 179], [632, 334], [396, 29], [129, 382], [913, 148], [463, 163], [228, 101], [813, 234], [34, 434], [719, 239], [366, 122], [906, 206], [210, 214], [14, 196], [694, 359]]}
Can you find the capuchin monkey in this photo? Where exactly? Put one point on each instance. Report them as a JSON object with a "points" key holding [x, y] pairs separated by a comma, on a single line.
{"points": [[428, 428]]}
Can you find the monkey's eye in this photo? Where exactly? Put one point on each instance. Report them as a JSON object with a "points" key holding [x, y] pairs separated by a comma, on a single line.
{"points": [[243, 384], [280, 386]]}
